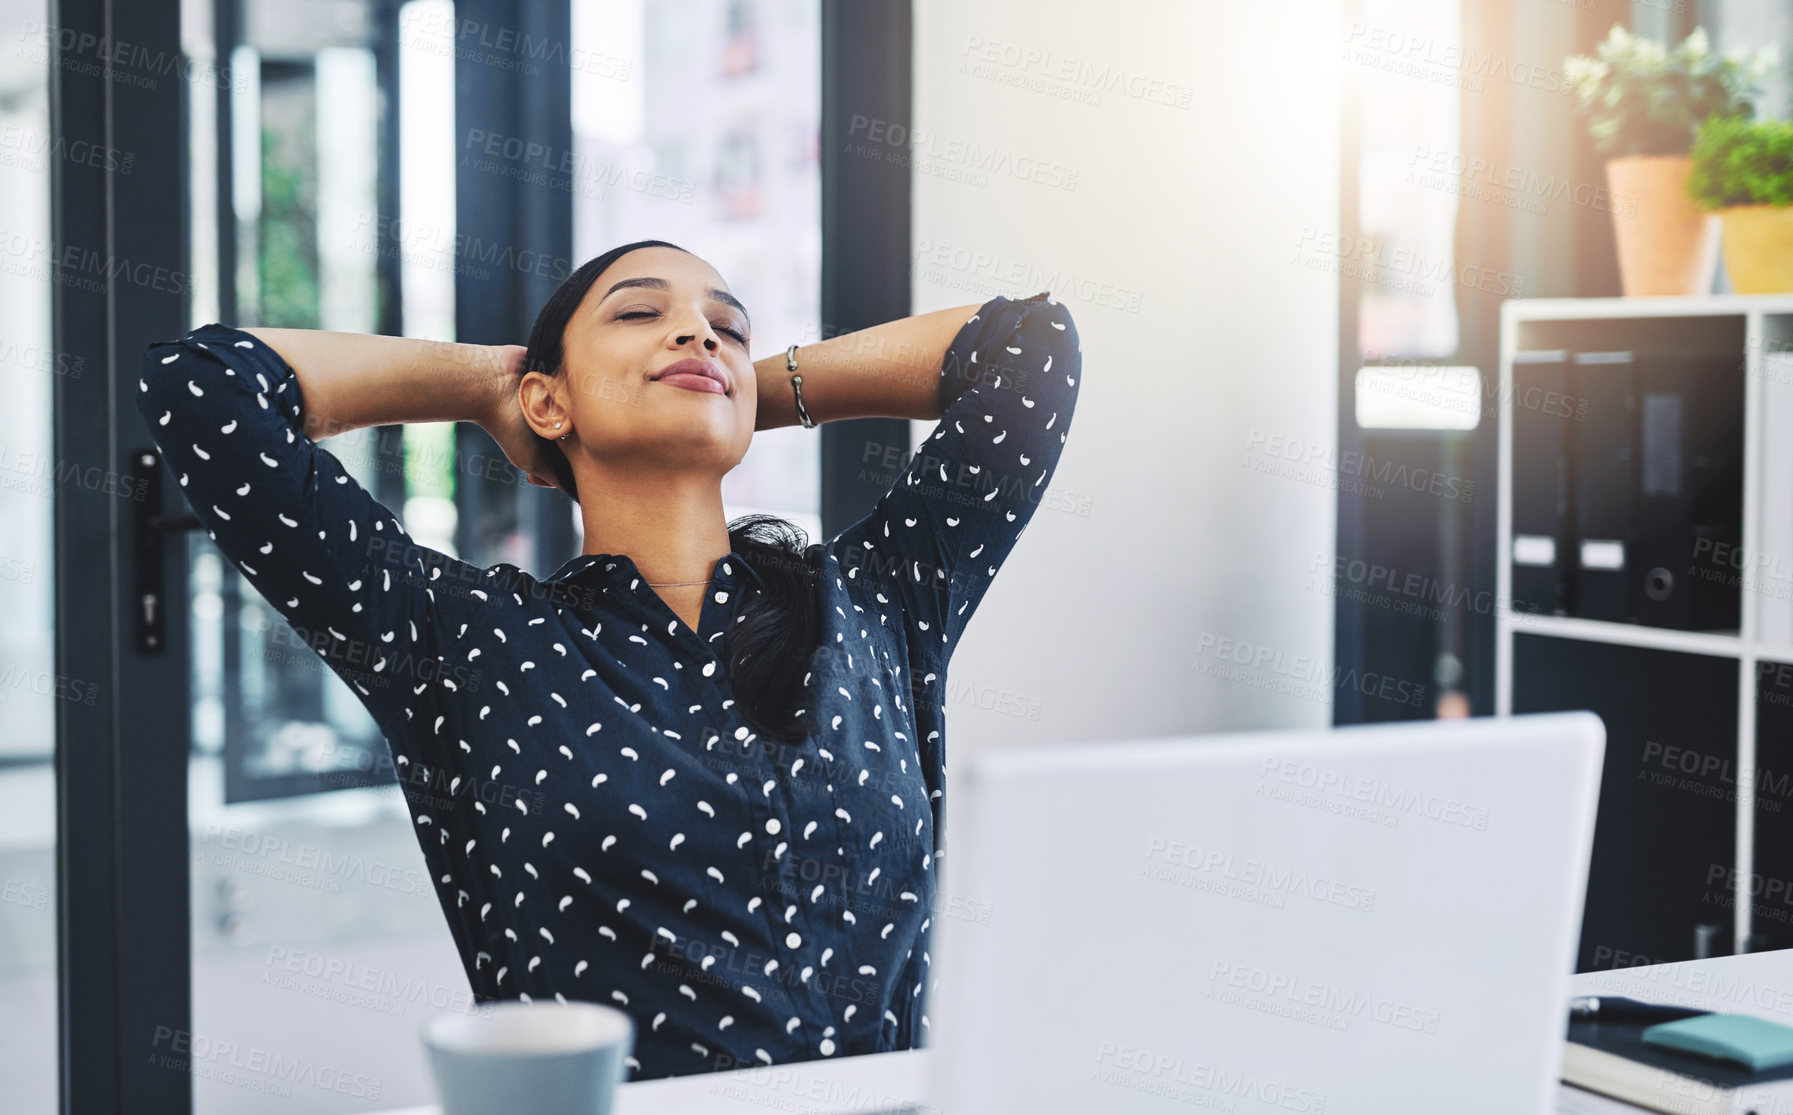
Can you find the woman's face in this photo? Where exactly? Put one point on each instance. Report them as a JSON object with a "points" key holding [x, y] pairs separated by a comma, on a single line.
{"points": [[643, 356]]}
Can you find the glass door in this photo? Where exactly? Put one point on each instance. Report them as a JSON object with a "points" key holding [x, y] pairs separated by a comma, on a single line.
{"points": [[318, 946], [30, 688]]}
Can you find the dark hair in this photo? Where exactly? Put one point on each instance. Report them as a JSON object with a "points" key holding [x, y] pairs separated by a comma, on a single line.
{"points": [[768, 648]]}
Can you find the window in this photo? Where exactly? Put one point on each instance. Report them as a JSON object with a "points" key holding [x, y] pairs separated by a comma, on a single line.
{"points": [[697, 123]]}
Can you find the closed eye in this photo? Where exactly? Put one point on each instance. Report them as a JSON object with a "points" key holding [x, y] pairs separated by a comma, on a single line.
{"points": [[723, 327]]}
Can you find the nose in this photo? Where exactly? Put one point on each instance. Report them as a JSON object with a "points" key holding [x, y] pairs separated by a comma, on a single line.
{"points": [[700, 332]]}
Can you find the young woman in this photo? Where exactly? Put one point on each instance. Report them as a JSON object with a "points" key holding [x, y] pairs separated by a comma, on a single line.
{"points": [[696, 773]]}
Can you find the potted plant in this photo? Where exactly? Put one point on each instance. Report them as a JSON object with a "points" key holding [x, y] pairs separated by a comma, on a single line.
{"points": [[1645, 105], [1744, 170]]}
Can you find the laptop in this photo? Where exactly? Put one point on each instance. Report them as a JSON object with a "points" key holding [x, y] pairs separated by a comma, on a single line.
{"points": [[1377, 919]]}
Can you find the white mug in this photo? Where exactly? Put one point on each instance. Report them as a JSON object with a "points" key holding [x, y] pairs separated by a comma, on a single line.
{"points": [[544, 1058]]}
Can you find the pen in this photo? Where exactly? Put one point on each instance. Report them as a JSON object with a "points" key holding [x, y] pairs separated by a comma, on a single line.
{"points": [[1605, 1008]]}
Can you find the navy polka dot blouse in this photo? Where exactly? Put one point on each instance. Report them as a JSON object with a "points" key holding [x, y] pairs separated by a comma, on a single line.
{"points": [[600, 822]]}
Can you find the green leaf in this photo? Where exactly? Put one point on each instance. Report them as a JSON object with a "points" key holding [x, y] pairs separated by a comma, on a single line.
{"points": [[1739, 161], [1641, 99]]}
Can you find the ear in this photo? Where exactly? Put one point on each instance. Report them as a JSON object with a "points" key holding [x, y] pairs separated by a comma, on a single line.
{"points": [[543, 400]]}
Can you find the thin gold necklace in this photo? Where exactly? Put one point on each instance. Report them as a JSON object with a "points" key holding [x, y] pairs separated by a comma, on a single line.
{"points": [[671, 584]]}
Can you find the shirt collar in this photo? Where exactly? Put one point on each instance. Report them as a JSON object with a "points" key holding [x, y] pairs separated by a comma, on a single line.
{"points": [[728, 569]]}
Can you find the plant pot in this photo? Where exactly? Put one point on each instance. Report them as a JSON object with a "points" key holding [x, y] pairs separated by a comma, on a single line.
{"points": [[1759, 248], [1666, 244]]}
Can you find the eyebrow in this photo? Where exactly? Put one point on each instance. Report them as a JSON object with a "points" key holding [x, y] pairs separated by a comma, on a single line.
{"points": [[652, 283]]}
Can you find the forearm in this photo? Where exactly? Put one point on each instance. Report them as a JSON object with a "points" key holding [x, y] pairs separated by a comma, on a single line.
{"points": [[353, 380], [887, 371]]}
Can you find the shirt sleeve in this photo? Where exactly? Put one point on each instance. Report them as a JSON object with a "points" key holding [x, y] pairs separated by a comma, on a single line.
{"points": [[934, 541], [226, 412]]}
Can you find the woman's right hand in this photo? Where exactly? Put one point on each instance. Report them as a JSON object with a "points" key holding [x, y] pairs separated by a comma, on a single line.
{"points": [[509, 429]]}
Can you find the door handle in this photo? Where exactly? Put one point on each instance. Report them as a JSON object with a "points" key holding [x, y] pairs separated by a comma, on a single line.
{"points": [[150, 527], [1710, 941]]}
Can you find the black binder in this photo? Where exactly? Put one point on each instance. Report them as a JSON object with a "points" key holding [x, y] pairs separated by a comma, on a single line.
{"points": [[1543, 411], [1689, 492], [1605, 484]]}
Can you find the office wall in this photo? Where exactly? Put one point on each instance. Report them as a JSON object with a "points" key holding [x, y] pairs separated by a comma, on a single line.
{"points": [[1171, 170]]}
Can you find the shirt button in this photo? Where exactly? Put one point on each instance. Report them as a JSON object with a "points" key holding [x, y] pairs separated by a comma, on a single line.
{"points": [[792, 941], [772, 826]]}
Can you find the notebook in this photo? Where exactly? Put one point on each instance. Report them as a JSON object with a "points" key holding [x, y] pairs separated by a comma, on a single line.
{"points": [[1612, 1058]]}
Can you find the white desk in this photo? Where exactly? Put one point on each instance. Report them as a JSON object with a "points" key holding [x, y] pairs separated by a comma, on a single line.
{"points": [[1761, 983], [862, 1085]]}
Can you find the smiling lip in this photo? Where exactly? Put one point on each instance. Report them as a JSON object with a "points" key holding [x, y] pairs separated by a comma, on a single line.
{"points": [[693, 375]]}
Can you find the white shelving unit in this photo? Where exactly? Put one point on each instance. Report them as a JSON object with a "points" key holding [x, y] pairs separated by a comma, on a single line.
{"points": [[1767, 595]]}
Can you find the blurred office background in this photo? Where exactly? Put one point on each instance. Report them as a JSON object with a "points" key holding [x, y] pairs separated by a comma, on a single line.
{"points": [[1189, 178]]}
